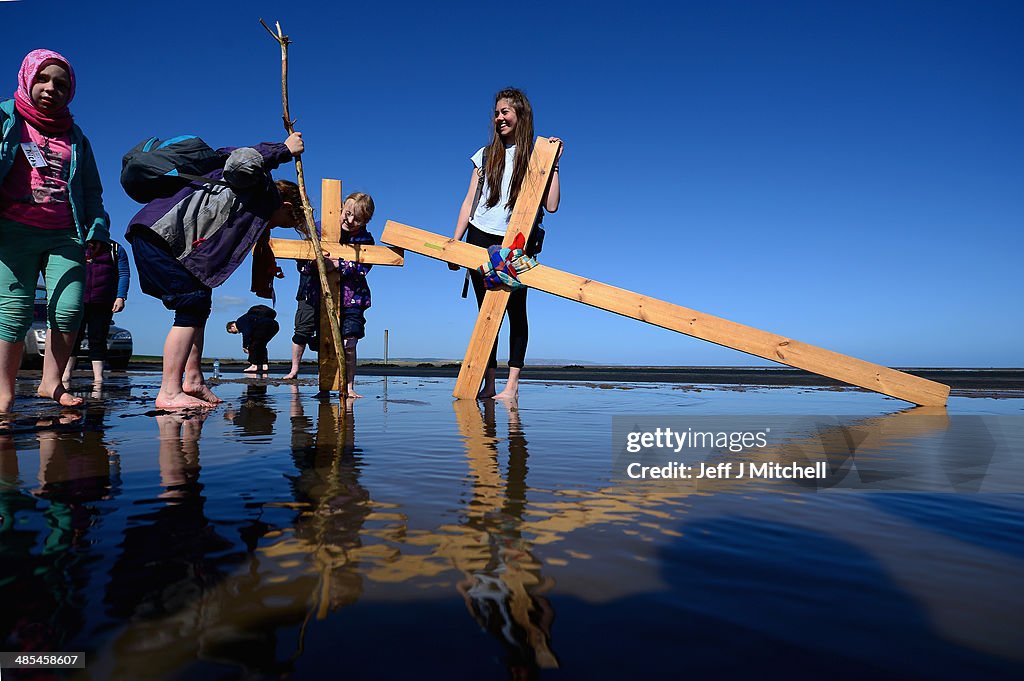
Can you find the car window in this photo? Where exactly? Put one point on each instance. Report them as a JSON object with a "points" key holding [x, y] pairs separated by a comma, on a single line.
{"points": [[39, 309]]}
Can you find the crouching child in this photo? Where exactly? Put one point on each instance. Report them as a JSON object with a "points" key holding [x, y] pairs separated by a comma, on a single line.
{"points": [[189, 243], [258, 327]]}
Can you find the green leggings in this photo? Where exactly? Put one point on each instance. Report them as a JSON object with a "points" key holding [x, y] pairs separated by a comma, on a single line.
{"points": [[27, 251]]}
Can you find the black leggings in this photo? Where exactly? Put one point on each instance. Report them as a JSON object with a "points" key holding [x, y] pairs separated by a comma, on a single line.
{"points": [[258, 353], [518, 325], [95, 325]]}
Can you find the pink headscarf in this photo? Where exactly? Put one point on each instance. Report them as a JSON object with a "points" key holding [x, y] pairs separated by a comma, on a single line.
{"points": [[49, 122]]}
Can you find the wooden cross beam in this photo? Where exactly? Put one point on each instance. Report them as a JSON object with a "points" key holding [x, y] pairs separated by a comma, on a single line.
{"points": [[675, 318], [330, 229], [492, 310]]}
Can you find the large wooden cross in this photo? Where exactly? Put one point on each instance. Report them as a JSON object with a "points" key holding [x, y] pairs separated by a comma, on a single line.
{"points": [[666, 315], [330, 229]]}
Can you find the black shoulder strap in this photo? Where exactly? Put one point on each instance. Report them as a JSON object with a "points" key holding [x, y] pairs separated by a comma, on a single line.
{"points": [[480, 172], [202, 180]]}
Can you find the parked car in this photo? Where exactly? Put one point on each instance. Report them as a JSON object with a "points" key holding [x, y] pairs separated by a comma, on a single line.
{"points": [[119, 340]]}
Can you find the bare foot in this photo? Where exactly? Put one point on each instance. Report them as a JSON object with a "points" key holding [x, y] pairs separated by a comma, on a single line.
{"points": [[485, 394], [60, 395], [352, 394], [200, 391], [180, 401], [251, 369], [507, 396], [291, 376]]}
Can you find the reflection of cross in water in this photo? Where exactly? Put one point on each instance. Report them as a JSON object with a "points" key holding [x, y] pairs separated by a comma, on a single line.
{"points": [[666, 315], [505, 594], [293, 249]]}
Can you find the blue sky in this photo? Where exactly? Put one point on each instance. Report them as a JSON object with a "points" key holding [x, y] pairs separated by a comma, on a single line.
{"points": [[848, 174]]}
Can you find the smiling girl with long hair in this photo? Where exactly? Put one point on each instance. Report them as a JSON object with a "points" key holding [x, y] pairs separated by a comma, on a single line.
{"points": [[494, 186]]}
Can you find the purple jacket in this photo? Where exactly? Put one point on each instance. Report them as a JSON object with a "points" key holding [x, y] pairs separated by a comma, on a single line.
{"points": [[105, 280], [355, 292], [210, 228]]}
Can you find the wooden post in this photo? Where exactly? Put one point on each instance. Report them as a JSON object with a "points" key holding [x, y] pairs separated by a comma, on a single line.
{"points": [[385, 347], [684, 320], [488, 321], [330, 231]]}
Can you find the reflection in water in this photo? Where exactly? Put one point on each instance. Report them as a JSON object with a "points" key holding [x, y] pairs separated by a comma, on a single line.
{"points": [[255, 416], [178, 582], [335, 505], [856, 452], [45, 562], [189, 592], [171, 557], [213, 575], [504, 594]]}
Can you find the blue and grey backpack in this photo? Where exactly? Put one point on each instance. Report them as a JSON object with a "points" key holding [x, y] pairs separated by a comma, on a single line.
{"points": [[155, 169]]}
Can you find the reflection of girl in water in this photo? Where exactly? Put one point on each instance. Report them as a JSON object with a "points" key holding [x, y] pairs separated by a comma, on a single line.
{"points": [[48, 553], [520, 620], [505, 597]]}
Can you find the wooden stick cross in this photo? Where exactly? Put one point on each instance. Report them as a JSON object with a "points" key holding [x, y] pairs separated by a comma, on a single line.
{"points": [[666, 315], [294, 249]]}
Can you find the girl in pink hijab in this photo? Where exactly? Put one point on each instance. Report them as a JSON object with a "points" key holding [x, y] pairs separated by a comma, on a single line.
{"points": [[51, 204]]}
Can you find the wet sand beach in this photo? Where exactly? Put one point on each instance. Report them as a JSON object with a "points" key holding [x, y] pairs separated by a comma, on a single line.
{"points": [[283, 536]]}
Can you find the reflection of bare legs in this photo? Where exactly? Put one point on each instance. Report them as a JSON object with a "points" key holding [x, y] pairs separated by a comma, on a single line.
{"points": [[296, 404], [512, 405], [53, 467], [55, 359], [179, 449], [8, 460]]}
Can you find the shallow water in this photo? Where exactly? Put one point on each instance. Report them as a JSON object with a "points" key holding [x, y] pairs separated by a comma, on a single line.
{"points": [[277, 537]]}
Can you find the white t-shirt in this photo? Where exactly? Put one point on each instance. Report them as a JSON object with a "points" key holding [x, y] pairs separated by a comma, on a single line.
{"points": [[494, 220]]}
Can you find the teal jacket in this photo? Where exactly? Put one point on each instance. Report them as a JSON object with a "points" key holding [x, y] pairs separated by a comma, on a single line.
{"points": [[92, 221]]}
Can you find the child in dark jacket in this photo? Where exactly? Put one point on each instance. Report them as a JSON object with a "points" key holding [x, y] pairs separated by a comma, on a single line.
{"points": [[189, 243], [107, 275], [258, 327]]}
